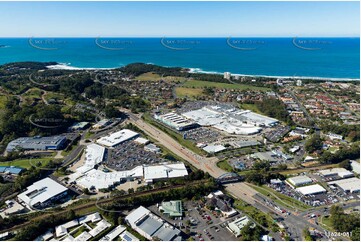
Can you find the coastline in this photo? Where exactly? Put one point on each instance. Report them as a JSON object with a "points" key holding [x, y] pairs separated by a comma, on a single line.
{"points": [[67, 66], [198, 70], [64, 66]]}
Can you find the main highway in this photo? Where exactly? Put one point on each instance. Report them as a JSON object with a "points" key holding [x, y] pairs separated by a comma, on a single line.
{"points": [[240, 190], [206, 164]]}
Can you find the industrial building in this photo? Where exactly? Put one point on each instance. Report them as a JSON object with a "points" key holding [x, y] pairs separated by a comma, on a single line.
{"points": [[117, 138], [265, 156], [350, 185], [42, 193], [299, 181], [236, 226], [245, 143], [212, 149], [164, 171], [141, 141], [340, 172], [37, 143], [230, 119], [151, 226], [175, 121], [172, 208], [99, 179], [310, 190], [93, 155]]}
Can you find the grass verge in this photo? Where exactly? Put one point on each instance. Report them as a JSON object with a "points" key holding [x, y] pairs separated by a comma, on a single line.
{"points": [[225, 166], [198, 84], [27, 163], [186, 143]]}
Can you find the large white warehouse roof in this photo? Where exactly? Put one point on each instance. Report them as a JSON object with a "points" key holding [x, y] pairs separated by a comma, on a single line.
{"points": [[341, 172], [164, 171], [41, 191], [117, 137], [299, 180], [100, 179], [230, 120], [214, 148], [348, 185], [312, 189]]}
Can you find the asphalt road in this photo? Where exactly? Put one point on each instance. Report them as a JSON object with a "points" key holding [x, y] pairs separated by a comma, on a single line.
{"points": [[240, 190], [206, 164], [295, 222]]}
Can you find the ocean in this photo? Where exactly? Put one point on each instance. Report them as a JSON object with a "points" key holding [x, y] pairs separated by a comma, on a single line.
{"points": [[333, 58]]}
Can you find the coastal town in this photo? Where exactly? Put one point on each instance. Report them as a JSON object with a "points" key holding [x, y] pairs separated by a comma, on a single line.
{"points": [[146, 152]]}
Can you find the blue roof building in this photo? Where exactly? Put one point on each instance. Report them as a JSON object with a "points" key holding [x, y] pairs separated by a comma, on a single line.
{"points": [[11, 169], [38, 143]]}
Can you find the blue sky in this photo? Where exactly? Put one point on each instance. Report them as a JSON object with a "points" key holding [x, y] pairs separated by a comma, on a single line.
{"points": [[202, 19]]}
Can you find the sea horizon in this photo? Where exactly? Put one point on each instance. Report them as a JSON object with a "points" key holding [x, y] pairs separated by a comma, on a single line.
{"points": [[333, 58]]}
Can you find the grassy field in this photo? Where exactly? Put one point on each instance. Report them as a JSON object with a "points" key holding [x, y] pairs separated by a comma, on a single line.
{"points": [[325, 222], [333, 149], [3, 99], [30, 95], [283, 200], [252, 107], [25, 163], [188, 92], [33, 93], [53, 95], [224, 165], [150, 76], [200, 84]]}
